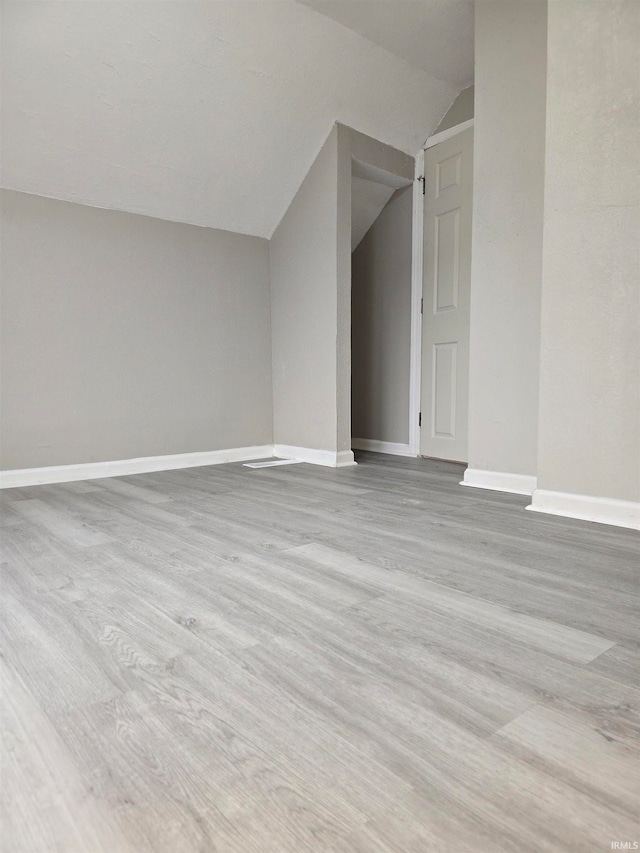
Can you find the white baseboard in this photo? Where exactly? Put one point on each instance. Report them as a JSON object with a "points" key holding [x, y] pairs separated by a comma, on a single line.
{"points": [[121, 467], [587, 508], [328, 458], [499, 481], [391, 447], [148, 464]]}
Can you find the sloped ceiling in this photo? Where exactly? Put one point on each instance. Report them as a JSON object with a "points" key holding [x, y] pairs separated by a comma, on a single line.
{"points": [[368, 200], [435, 35], [371, 190], [202, 112]]}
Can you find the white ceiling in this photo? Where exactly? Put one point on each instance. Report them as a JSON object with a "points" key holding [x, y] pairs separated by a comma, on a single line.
{"points": [[368, 199], [371, 189], [202, 112], [435, 35]]}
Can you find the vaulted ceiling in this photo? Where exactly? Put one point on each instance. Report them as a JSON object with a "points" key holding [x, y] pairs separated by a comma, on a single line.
{"points": [[435, 35], [212, 112]]}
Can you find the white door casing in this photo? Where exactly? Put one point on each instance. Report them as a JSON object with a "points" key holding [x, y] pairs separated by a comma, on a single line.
{"points": [[448, 171]]}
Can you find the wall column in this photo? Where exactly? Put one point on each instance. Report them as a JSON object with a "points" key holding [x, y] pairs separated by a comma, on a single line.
{"points": [[509, 140], [589, 420]]}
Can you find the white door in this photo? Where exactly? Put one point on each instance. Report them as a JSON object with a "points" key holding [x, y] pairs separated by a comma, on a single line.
{"points": [[446, 294]]}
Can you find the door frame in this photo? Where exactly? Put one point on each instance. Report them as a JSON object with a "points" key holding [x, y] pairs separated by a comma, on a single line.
{"points": [[417, 283]]}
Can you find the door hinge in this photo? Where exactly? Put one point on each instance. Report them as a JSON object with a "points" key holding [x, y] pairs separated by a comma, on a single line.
{"points": [[422, 306], [419, 418], [423, 182]]}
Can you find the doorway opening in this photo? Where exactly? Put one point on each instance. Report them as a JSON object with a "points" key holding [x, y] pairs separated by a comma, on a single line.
{"points": [[381, 310]]}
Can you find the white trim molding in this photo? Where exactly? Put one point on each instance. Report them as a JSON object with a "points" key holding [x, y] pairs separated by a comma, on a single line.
{"points": [[448, 133], [601, 510], [391, 447], [122, 467], [328, 458], [148, 464], [415, 346], [499, 481]]}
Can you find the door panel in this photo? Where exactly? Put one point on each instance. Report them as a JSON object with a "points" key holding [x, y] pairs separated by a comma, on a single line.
{"points": [[444, 390], [446, 274], [446, 295]]}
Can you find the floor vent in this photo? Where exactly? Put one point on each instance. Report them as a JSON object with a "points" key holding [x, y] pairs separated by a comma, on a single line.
{"points": [[272, 462]]}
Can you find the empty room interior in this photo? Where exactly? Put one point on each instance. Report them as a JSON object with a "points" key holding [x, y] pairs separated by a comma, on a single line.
{"points": [[320, 426]]}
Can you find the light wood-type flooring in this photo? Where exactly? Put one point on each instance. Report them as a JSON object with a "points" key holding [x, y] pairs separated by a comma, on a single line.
{"points": [[296, 659]]}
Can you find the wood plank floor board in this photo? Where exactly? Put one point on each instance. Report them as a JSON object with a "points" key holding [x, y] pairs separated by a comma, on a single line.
{"points": [[9, 517], [418, 745], [310, 740], [51, 659], [550, 636], [411, 667], [540, 594], [280, 512], [171, 601], [47, 804], [31, 577], [542, 677], [225, 772], [59, 524], [206, 536], [20, 541], [454, 536], [134, 640], [144, 782], [542, 591], [360, 660], [122, 486], [156, 515], [593, 760], [333, 759], [257, 771], [620, 663]]}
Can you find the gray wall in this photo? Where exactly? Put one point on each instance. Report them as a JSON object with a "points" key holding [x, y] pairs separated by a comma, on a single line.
{"points": [[509, 140], [311, 295], [462, 109], [381, 325], [590, 368], [304, 309], [125, 336]]}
